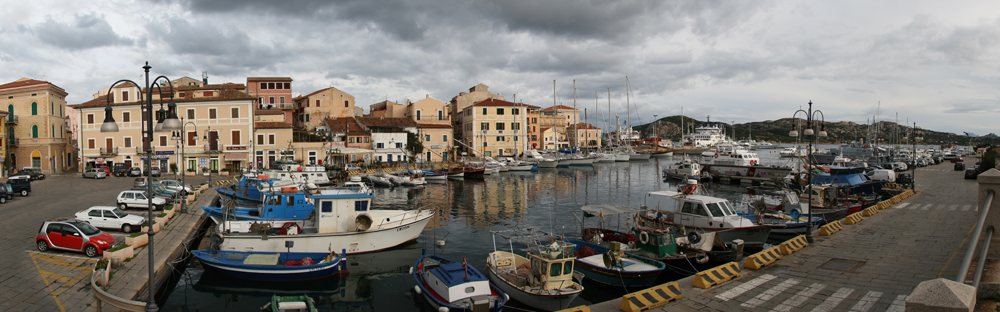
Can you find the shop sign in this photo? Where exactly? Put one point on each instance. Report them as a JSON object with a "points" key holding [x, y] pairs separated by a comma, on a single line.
{"points": [[236, 148], [164, 152]]}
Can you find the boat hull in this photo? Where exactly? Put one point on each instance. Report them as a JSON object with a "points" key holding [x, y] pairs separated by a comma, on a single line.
{"points": [[541, 302], [622, 157], [616, 278], [638, 157], [548, 164], [353, 242], [218, 262], [747, 171]]}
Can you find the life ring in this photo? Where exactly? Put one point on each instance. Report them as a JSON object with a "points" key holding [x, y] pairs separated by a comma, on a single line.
{"points": [[716, 154], [690, 189], [411, 178], [644, 237]]}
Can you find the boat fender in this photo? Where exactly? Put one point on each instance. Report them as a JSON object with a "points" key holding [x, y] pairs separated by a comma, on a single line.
{"points": [[702, 260], [644, 237], [411, 272], [416, 288], [694, 237], [443, 309]]}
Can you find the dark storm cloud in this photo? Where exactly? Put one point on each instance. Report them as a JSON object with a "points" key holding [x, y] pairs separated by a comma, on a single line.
{"points": [[226, 48], [83, 32]]}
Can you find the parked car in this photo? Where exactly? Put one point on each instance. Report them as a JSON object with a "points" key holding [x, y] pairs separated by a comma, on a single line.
{"points": [[155, 172], [971, 173], [20, 185], [107, 170], [137, 199], [94, 173], [110, 217], [176, 186], [6, 193], [31, 173], [73, 235], [135, 172], [121, 169], [959, 166], [957, 159]]}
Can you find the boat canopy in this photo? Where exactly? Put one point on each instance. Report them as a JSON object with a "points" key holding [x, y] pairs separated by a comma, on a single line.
{"points": [[607, 209]]}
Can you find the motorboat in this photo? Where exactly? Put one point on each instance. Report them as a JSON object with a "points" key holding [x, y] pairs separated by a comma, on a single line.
{"points": [[271, 266], [686, 169], [543, 279], [705, 213], [289, 203], [451, 286], [380, 180], [729, 160], [613, 266]]}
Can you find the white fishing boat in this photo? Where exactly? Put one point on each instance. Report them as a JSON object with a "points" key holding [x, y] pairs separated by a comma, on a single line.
{"points": [[341, 220], [638, 156], [543, 280], [408, 179], [543, 161], [686, 169], [622, 157], [730, 159], [290, 173], [705, 213]]}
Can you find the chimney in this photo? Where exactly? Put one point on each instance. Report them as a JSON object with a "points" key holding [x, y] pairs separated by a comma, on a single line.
{"points": [[427, 96]]}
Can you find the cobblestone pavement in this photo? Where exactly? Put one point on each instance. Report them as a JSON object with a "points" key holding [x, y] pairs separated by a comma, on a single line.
{"points": [[870, 266], [53, 280]]}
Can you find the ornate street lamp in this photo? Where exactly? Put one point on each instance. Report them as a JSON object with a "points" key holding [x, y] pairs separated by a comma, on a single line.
{"points": [[179, 136], [809, 132], [169, 123]]}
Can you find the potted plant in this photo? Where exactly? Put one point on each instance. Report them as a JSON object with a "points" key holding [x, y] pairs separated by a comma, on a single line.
{"points": [[190, 172], [224, 171], [173, 168], [122, 252], [162, 218], [156, 226], [169, 210], [137, 239], [103, 267], [205, 171]]}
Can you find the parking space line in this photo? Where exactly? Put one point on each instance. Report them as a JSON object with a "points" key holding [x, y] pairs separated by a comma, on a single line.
{"points": [[898, 305], [742, 288], [833, 300], [966, 207], [867, 302], [927, 206], [901, 206], [801, 297], [952, 207], [770, 293], [47, 284], [915, 206]]}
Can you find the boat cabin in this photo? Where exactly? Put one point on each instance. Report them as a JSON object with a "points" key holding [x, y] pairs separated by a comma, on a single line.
{"points": [[657, 242], [695, 210], [551, 265], [453, 281], [287, 204], [345, 209]]}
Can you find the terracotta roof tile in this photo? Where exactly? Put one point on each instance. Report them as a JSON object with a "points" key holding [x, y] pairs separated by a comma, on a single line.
{"points": [[28, 84], [496, 102], [271, 125], [269, 78], [387, 122], [339, 124]]}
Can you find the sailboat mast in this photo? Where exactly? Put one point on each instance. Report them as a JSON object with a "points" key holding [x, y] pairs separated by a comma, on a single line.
{"points": [[574, 111], [628, 112]]}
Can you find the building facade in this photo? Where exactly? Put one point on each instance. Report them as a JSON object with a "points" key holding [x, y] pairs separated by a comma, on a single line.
{"points": [[434, 129], [387, 109], [495, 128], [459, 103], [584, 135], [36, 126], [218, 124], [311, 110], [272, 141]]}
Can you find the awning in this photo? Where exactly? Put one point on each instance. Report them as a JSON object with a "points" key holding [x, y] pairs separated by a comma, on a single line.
{"points": [[235, 156]]}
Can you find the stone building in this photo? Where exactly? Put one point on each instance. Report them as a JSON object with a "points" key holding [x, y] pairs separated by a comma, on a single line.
{"points": [[311, 110], [36, 126]]}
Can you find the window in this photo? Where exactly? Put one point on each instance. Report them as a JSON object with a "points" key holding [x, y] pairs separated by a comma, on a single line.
{"points": [[515, 126], [260, 139], [317, 103], [501, 126], [499, 138], [361, 205], [91, 143], [190, 113], [263, 85], [34, 131], [484, 126], [235, 112], [270, 85], [281, 100], [192, 137], [418, 114], [128, 141], [34, 108], [288, 85], [567, 267], [126, 117], [52, 108], [163, 140], [515, 111], [207, 93], [211, 113], [499, 111], [307, 118], [440, 114], [444, 138], [236, 137], [347, 104], [379, 145], [399, 145], [350, 140], [270, 100], [427, 138], [366, 139], [270, 139], [124, 96], [326, 206], [90, 118], [484, 111]]}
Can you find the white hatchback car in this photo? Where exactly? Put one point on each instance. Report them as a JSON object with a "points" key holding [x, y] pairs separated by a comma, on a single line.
{"points": [[110, 217], [138, 199]]}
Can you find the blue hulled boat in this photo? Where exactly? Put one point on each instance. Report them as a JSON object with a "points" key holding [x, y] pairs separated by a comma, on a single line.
{"points": [[290, 204], [272, 266], [453, 286], [615, 268]]}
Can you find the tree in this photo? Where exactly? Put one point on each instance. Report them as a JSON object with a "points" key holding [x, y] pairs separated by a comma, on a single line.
{"points": [[413, 144], [989, 160]]}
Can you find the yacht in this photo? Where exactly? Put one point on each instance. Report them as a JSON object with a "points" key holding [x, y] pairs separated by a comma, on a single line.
{"points": [[735, 160], [706, 214]]}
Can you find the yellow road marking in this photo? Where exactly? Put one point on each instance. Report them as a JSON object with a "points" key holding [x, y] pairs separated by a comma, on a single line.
{"points": [[957, 249], [71, 282], [65, 263], [47, 285]]}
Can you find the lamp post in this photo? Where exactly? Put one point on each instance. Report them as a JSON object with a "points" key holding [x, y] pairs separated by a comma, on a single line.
{"points": [[913, 174], [210, 151], [169, 122], [809, 132], [181, 144]]}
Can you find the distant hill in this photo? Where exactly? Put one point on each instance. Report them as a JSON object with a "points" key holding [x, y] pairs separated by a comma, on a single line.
{"points": [[777, 131]]}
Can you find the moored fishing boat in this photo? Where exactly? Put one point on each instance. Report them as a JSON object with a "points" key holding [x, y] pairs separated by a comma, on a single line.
{"points": [[301, 303], [612, 266], [453, 286], [705, 213], [686, 169], [271, 266], [288, 204], [543, 279]]}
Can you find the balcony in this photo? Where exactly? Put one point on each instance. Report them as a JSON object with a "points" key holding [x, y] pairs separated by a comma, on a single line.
{"points": [[13, 142], [109, 151], [275, 106], [11, 120]]}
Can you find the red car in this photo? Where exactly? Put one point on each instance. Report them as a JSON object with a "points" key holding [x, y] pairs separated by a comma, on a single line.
{"points": [[74, 235], [107, 170], [957, 159]]}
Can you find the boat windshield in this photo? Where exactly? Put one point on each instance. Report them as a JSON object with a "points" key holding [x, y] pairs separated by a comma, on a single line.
{"points": [[715, 209]]}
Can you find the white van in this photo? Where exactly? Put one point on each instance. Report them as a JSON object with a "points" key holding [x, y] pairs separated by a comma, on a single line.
{"points": [[883, 175]]}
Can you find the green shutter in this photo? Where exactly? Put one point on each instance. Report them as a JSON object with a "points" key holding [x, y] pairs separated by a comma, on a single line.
{"points": [[34, 131], [34, 108]]}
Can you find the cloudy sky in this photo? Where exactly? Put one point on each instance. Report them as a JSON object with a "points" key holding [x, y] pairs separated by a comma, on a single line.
{"points": [[933, 62]]}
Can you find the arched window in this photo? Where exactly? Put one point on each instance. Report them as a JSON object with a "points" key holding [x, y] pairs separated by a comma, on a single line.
{"points": [[34, 108], [52, 108], [10, 117], [10, 133], [34, 131]]}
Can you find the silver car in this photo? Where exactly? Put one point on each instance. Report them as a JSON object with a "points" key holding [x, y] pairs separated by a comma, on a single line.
{"points": [[95, 173]]}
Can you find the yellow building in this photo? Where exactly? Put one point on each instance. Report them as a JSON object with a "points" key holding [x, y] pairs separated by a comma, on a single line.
{"points": [[495, 128], [459, 103], [434, 128], [273, 141], [312, 110], [36, 134], [387, 109], [584, 135], [219, 135]]}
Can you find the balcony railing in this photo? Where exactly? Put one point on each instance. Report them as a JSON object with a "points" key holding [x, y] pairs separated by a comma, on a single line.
{"points": [[11, 120], [13, 142], [109, 151], [275, 106]]}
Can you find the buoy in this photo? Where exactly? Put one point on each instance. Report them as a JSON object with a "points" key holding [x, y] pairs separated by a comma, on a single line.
{"points": [[417, 289], [439, 242], [443, 309]]}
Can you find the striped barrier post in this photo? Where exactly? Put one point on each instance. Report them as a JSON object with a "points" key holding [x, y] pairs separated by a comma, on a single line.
{"points": [[871, 211], [582, 308], [853, 218], [760, 259], [792, 245], [830, 228], [716, 275], [650, 297]]}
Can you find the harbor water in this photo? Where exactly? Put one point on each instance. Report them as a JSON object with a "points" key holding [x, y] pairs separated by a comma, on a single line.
{"points": [[466, 210]]}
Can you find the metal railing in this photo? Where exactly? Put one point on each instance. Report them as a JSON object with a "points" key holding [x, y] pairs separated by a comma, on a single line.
{"points": [[13, 141], [963, 270], [275, 106], [109, 151], [12, 120], [105, 297]]}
